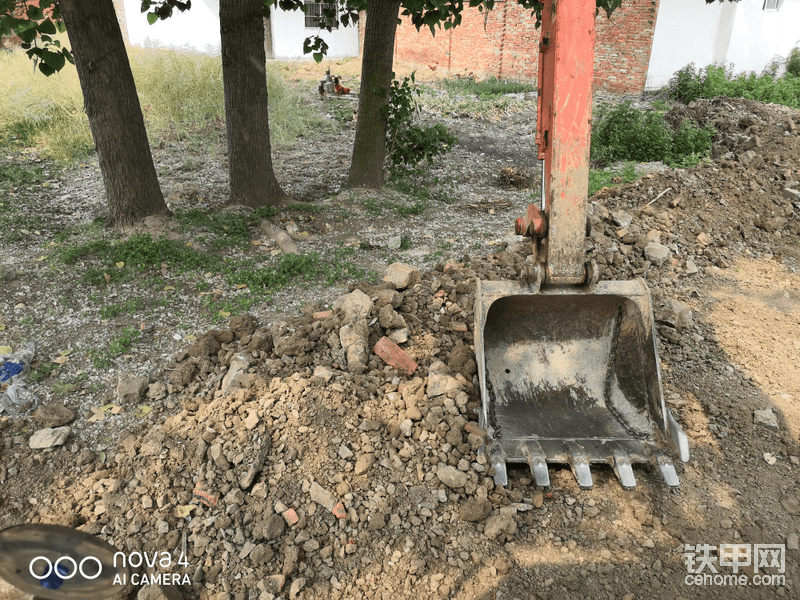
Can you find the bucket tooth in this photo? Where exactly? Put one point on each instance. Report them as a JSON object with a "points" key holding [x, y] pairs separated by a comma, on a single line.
{"points": [[623, 468], [666, 467], [580, 465], [537, 461], [678, 437], [498, 460]]}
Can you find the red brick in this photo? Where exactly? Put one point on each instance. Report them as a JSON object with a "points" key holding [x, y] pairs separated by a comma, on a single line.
{"points": [[393, 355]]}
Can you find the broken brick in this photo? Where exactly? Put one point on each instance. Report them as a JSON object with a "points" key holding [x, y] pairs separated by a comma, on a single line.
{"points": [[338, 511], [290, 516], [393, 355]]}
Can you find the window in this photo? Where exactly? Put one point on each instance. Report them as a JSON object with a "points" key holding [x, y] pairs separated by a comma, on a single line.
{"points": [[772, 4], [315, 18]]}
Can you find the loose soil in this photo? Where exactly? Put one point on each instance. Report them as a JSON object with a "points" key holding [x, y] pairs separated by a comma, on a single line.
{"points": [[242, 435]]}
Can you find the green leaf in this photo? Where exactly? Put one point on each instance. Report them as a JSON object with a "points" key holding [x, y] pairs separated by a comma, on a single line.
{"points": [[46, 70], [317, 56], [54, 60], [152, 18], [47, 27]]}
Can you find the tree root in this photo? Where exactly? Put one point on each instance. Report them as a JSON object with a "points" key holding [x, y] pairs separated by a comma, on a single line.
{"points": [[283, 239]]}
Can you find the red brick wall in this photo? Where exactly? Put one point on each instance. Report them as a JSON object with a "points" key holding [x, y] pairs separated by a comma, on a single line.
{"points": [[504, 43]]}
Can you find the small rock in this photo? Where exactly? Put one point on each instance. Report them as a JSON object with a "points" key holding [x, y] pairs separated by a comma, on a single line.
{"points": [[323, 373], [451, 477], [274, 527], [234, 378], [364, 464], [206, 345], [54, 415], [157, 390], [475, 509], [675, 313], [130, 390], [49, 438], [322, 496], [657, 253], [791, 505], [353, 307], [402, 275], [704, 239], [242, 325], [751, 159], [497, 524], [297, 586], [406, 427], [622, 218], [183, 374], [345, 452], [251, 421], [691, 268], [791, 541], [395, 242], [159, 592], [765, 417], [400, 336]]}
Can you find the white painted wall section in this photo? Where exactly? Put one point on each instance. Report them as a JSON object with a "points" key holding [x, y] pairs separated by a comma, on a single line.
{"points": [[686, 32], [196, 29], [289, 31], [759, 36]]}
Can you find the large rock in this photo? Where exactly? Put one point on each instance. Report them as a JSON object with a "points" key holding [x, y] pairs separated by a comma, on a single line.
{"points": [[235, 375], [765, 417], [355, 343], [130, 390], [353, 307], [401, 275], [54, 415], [389, 318], [206, 345], [657, 254], [475, 509], [675, 313], [49, 438], [451, 477], [242, 325]]}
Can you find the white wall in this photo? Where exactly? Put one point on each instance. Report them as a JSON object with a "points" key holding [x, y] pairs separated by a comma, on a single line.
{"points": [[197, 28], [685, 32], [742, 33], [759, 35], [289, 31]]}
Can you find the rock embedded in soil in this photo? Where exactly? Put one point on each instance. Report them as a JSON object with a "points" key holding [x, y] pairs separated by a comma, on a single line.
{"points": [[49, 438], [452, 477], [401, 275], [765, 417], [475, 509], [130, 390], [354, 306], [675, 313], [54, 414], [657, 254]]}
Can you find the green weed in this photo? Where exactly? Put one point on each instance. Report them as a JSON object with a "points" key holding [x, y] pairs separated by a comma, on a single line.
{"points": [[691, 83], [101, 359], [489, 88], [130, 306], [598, 178], [625, 133]]}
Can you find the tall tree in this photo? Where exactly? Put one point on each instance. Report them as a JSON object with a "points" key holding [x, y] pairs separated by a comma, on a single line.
{"points": [[241, 22], [369, 149], [253, 181], [109, 92]]}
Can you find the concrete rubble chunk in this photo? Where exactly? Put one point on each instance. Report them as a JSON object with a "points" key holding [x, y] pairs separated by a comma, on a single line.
{"points": [[353, 307], [130, 390], [451, 477], [791, 194], [234, 377], [54, 415], [657, 253], [49, 438], [402, 275], [751, 159], [765, 417], [622, 218], [355, 343], [322, 496], [400, 336], [704, 239], [675, 313]]}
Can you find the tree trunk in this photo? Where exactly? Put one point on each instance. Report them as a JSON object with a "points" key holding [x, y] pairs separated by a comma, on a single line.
{"points": [[244, 76], [369, 150], [115, 116]]}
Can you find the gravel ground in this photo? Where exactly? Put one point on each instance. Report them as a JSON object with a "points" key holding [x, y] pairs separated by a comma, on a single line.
{"points": [[297, 463]]}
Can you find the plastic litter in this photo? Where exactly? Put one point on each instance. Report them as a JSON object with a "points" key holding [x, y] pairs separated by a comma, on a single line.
{"points": [[17, 399]]}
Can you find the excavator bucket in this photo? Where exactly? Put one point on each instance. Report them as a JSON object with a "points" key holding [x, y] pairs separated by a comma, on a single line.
{"points": [[568, 366], [571, 375]]}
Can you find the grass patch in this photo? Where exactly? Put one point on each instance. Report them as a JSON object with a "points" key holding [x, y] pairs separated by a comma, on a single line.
{"points": [[101, 359], [14, 175], [488, 89], [599, 178], [130, 306], [691, 83], [181, 95], [625, 133]]}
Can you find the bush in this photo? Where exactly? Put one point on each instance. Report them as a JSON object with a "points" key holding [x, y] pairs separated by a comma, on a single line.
{"points": [[408, 145], [488, 89], [623, 133], [690, 83]]}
